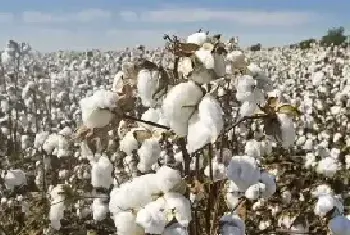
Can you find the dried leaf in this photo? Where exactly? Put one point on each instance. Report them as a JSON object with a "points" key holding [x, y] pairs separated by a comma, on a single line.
{"points": [[289, 110], [142, 134], [242, 210]]}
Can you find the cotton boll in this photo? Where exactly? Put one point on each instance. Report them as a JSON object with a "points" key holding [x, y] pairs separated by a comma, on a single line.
{"points": [[270, 184], [14, 178], [125, 222], [327, 166], [253, 148], [245, 86], [152, 115], [339, 225], [317, 78], [232, 225], [147, 82], [243, 170], [167, 178], [56, 214], [254, 191], [118, 82], [198, 134], [101, 173], [324, 204], [51, 143], [219, 170], [181, 205], [149, 154], [92, 116], [288, 130], [128, 143], [99, 209], [197, 38], [175, 229], [247, 109], [179, 104], [40, 138], [152, 217]]}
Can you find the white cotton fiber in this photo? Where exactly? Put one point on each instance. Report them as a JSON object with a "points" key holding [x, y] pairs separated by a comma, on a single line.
{"points": [[147, 82], [179, 104], [197, 38], [128, 143], [92, 116], [125, 222], [149, 154], [101, 173]]}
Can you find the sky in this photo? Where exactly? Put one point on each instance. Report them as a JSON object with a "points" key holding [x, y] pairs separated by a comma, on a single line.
{"points": [[51, 25]]}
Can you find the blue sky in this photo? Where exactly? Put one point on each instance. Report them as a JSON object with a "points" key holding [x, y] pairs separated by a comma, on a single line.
{"points": [[50, 25]]}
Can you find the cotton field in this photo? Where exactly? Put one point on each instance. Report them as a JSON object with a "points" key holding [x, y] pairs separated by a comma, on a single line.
{"points": [[199, 137]]}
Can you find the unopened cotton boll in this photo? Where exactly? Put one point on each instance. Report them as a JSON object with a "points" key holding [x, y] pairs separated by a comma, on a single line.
{"points": [[328, 166]]}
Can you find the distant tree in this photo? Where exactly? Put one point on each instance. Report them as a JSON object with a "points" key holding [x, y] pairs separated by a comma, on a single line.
{"points": [[305, 44], [256, 47], [335, 36]]}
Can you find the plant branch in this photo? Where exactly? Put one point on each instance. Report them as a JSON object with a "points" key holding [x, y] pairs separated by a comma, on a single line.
{"points": [[259, 116]]}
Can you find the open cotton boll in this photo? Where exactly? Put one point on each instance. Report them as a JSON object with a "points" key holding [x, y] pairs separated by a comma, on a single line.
{"points": [[134, 194], [152, 115], [147, 82], [252, 148], [197, 38], [324, 204], [56, 214], [339, 225], [99, 209], [181, 205], [179, 104], [287, 129], [185, 65], [152, 217], [118, 82], [40, 139], [51, 142], [175, 229], [322, 190], [14, 178], [206, 57], [317, 78], [101, 173], [149, 154], [270, 184], [128, 143], [328, 166], [243, 170], [92, 116], [245, 89], [247, 109], [254, 191], [167, 178], [210, 113], [232, 225], [125, 222]]}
